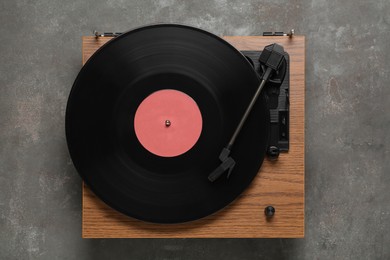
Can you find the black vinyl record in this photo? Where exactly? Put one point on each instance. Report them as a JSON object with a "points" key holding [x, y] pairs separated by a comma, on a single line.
{"points": [[100, 123]]}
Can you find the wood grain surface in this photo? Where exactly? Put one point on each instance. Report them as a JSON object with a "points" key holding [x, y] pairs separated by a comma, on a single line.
{"points": [[280, 183]]}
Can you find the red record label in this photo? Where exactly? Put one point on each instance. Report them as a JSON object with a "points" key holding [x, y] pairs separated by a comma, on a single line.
{"points": [[168, 123]]}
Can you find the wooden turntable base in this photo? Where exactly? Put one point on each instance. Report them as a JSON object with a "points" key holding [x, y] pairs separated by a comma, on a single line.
{"points": [[280, 184]]}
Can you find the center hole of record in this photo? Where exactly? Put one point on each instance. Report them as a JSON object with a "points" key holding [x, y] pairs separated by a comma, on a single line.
{"points": [[168, 123]]}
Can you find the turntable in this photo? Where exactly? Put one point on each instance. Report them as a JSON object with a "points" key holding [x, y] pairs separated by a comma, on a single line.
{"points": [[176, 133]]}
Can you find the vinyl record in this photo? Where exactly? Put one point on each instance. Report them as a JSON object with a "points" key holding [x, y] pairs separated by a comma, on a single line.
{"points": [[158, 173]]}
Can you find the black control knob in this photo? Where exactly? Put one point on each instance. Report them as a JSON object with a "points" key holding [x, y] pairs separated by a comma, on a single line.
{"points": [[269, 211], [273, 152]]}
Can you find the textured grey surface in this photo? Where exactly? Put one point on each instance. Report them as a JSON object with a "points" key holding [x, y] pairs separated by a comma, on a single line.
{"points": [[347, 125]]}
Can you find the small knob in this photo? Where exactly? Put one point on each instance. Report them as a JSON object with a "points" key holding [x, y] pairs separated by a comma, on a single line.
{"points": [[269, 211], [273, 152], [167, 123]]}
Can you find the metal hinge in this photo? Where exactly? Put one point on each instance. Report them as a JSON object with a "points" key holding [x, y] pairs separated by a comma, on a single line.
{"points": [[290, 34], [106, 34]]}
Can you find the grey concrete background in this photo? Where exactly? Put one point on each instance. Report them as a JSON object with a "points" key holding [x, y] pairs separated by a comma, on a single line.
{"points": [[347, 125]]}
